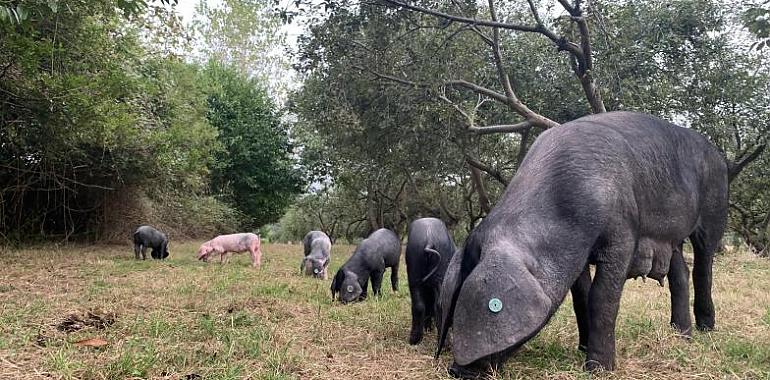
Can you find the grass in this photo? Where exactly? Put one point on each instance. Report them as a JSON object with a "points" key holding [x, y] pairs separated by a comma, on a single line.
{"points": [[184, 319]]}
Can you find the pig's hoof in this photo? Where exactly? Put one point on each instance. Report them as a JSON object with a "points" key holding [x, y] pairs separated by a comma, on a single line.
{"points": [[595, 366], [460, 372], [415, 338], [682, 332], [705, 327]]}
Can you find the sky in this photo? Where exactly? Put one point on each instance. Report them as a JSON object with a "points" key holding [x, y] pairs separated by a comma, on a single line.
{"points": [[187, 8]]}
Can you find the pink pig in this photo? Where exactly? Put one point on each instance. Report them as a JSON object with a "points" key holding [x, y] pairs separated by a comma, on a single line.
{"points": [[235, 243]]}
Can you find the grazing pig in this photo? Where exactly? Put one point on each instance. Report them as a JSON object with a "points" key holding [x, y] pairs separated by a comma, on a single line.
{"points": [[428, 250], [317, 254], [234, 243], [617, 190], [382, 249], [148, 237]]}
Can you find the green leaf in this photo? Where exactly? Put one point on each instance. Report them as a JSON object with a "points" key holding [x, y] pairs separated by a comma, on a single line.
{"points": [[5, 14], [21, 13], [53, 5]]}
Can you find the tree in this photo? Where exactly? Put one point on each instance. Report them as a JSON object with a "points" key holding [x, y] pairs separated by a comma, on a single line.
{"points": [[255, 172], [757, 19], [547, 64], [98, 131], [246, 35]]}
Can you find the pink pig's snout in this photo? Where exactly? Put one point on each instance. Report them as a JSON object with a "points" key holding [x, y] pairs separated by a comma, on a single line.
{"points": [[203, 254]]}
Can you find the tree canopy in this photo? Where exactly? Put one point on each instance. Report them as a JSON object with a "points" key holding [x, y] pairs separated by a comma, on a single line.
{"points": [[452, 94]]}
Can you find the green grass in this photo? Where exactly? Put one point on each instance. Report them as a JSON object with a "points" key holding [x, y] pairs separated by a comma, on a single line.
{"points": [[766, 318], [183, 318]]}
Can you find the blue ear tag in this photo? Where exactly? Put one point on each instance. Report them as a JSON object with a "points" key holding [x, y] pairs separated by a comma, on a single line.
{"points": [[495, 305]]}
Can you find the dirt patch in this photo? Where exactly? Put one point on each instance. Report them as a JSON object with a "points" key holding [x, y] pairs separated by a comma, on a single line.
{"points": [[95, 319]]}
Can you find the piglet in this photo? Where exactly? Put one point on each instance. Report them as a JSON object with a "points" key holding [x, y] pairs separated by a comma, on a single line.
{"points": [[233, 243]]}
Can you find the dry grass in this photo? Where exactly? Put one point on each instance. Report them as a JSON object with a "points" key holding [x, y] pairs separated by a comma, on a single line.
{"points": [[185, 319]]}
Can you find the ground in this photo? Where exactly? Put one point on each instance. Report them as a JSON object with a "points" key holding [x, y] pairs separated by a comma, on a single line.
{"points": [[185, 319]]}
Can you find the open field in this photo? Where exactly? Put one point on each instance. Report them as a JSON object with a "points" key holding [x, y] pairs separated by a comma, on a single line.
{"points": [[184, 319]]}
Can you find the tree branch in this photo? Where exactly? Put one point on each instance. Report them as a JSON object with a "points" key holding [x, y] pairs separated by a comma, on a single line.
{"points": [[465, 20], [560, 42], [492, 94], [481, 35], [584, 67], [523, 148], [513, 100], [478, 186], [503, 128], [494, 173], [450, 83]]}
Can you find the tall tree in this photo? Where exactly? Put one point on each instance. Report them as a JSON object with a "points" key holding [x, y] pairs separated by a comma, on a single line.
{"points": [[247, 35], [255, 172], [547, 63]]}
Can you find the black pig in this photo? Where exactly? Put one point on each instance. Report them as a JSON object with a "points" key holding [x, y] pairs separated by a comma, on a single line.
{"points": [[382, 249], [148, 237], [618, 190], [428, 250]]}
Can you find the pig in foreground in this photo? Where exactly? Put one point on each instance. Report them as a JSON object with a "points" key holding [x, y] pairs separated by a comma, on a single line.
{"points": [[224, 245], [618, 190], [382, 249], [148, 237], [428, 250], [318, 249]]}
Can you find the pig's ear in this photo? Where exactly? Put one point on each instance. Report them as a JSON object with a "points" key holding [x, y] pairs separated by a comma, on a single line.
{"points": [[448, 295], [500, 305], [339, 278]]}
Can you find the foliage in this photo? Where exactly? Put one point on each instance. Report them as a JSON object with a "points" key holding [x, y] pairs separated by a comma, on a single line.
{"points": [[21, 11], [757, 20], [83, 113], [327, 211], [255, 172], [392, 146], [375, 91], [750, 217], [92, 110]]}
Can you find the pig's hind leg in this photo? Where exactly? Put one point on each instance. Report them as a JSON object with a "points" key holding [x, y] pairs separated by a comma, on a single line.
{"points": [[256, 256]]}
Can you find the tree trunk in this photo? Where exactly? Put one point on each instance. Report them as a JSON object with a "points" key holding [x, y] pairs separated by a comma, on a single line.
{"points": [[478, 184], [372, 212]]}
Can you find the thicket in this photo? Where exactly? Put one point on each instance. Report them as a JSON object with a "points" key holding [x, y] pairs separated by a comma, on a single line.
{"points": [[101, 130]]}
